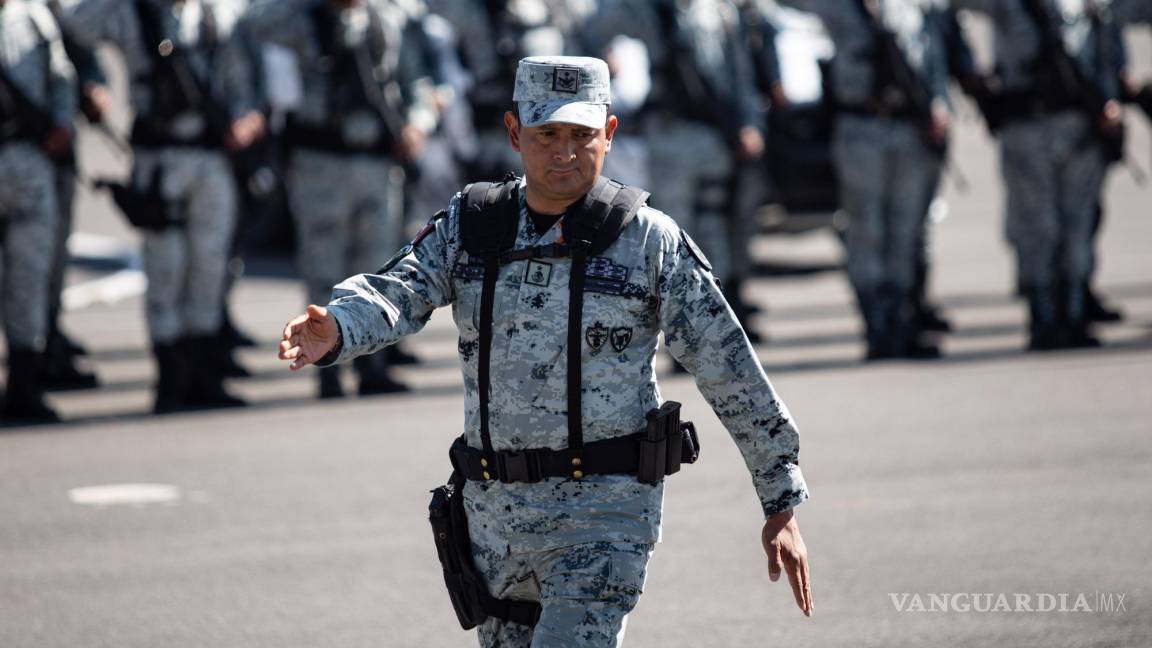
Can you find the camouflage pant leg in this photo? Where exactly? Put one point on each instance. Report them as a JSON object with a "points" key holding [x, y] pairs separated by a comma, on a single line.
{"points": [[347, 210], [1053, 175], [65, 194], [186, 265], [586, 592], [28, 223], [691, 170], [886, 178]]}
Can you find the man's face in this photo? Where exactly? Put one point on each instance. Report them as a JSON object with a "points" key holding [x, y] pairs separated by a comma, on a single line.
{"points": [[561, 161]]}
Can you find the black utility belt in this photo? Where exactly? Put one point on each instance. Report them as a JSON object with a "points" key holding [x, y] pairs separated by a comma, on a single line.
{"points": [[650, 455], [878, 110], [1018, 105], [152, 133], [333, 140]]}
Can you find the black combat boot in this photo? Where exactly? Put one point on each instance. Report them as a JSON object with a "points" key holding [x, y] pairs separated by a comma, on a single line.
{"points": [[24, 400], [1044, 330], [909, 338], [171, 378], [397, 355], [877, 335], [330, 382], [375, 377], [205, 376], [1077, 327], [226, 359], [1097, 310], [928, 315], [232, 336], [61, 372]]}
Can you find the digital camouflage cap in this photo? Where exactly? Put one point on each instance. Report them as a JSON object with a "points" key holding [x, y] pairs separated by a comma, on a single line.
{"points": [[562, 89]]}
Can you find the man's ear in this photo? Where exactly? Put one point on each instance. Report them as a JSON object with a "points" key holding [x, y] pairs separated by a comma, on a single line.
{"points": [[609, 131], [512, 124]]}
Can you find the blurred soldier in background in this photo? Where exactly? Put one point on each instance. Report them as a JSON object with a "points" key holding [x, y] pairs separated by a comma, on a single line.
{"points": [[190, 91], [1054, 100], [703, 100], [889, 78], [361, 114], [494, 35], [37, 103], [60, 367]]}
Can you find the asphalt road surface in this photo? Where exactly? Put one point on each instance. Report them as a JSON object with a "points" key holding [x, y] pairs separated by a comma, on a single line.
{"points": [[299, 523]]}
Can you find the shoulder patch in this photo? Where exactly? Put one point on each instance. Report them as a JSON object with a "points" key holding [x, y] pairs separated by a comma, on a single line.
{"points": [[407, 249], [695, 251]]}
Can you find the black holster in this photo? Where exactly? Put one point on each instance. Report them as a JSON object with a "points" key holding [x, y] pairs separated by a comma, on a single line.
{"points": [[466, 588], [666, 444]]}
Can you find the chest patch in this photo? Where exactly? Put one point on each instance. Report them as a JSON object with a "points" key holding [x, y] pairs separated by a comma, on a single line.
{"points": [[621, 338], [538, 273], [605, 276], [470, 270], [596, 335]]}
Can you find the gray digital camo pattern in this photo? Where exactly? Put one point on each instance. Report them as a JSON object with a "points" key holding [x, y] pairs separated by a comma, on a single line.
{"points": [[542, 79], [887, 179], [586, 590], [887, 173], [915, 24], [346, 210], [186, 265], [647, 282], [1050, 227], [695, 190], [33, 57], [287, 23]]}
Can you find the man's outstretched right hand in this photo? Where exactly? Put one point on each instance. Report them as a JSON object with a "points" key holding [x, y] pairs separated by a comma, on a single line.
{"points": [[309, 337]]}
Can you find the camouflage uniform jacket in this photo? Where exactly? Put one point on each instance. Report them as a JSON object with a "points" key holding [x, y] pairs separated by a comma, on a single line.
{"points": [[33, 57], [650, 280], [916, 25], [201, 28], [1017, 42], [403, 79]]}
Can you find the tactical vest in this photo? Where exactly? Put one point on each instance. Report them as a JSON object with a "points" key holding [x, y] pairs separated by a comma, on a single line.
{"points": [[489, 217]]}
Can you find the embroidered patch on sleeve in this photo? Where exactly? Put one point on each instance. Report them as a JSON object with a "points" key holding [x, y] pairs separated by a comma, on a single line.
{"points": [[695, 251]]}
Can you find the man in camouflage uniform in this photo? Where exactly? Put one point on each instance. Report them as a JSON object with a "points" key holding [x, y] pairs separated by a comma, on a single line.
{"points": [[1053, 156], [61, 370], [703, 100], [37, 101], [888, 154], [190, 92], [579, 545], [360, 115]]}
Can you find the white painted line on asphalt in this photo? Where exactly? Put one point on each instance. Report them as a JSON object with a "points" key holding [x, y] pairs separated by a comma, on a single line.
{"points": [[120, 285], [125, 494], [124, 284]]}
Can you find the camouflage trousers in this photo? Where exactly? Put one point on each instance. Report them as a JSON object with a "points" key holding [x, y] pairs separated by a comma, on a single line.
{"points": [[65, 196], [186, 264], [691, 170], [1053, 172], [887, 178], [347, 210], [28, 225], [585, 591]]}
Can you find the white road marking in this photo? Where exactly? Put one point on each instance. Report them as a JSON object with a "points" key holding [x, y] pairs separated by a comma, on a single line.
{"points": [[123, 284], [125, 494]]}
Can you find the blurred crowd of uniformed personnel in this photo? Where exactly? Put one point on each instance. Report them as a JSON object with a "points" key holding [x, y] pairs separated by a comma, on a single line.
{"points": [[344, 121]]}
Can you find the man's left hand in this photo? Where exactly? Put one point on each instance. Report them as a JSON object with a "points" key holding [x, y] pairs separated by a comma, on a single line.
{"points": [[786, 552]]}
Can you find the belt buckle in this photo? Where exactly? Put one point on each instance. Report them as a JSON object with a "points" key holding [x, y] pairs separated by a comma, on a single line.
{"points": [[521, 466]]}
